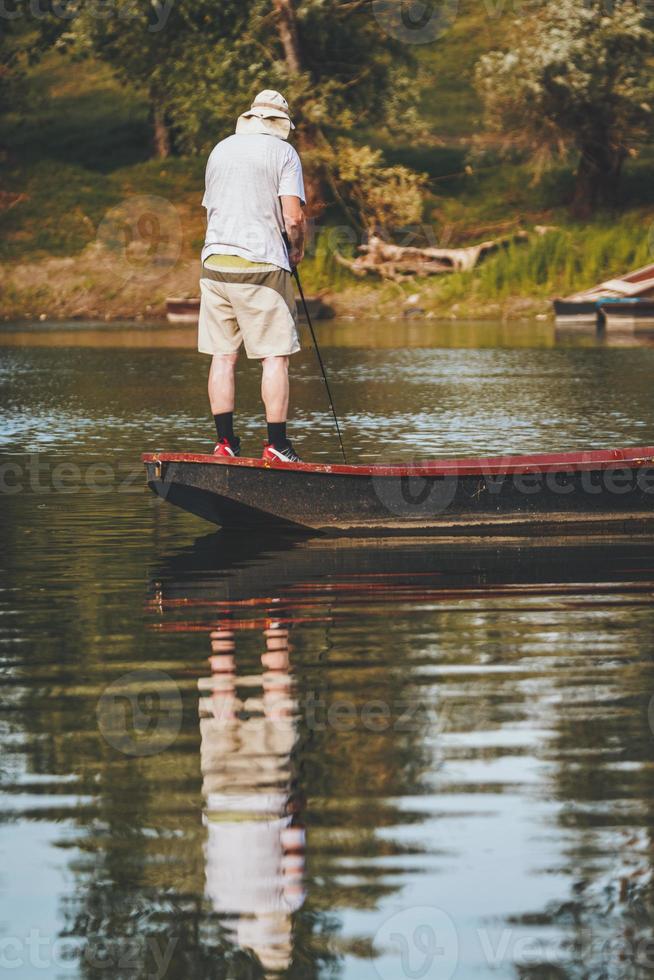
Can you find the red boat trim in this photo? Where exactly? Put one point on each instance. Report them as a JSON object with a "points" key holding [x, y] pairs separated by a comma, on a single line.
{"points": [[640, 275], [577, 462]]}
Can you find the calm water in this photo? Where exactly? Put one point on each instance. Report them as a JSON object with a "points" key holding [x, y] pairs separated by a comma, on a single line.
{"points": [[253, 758]]}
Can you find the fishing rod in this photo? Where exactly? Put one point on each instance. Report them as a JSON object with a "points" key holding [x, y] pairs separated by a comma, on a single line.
{"points": [[296, 276]]}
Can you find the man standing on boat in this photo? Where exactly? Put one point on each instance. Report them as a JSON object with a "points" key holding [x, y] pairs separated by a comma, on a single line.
{"points": [[254, 199]]}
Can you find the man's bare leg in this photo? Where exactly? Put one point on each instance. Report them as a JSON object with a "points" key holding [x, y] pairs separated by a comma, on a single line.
{"points": [[221, 397], [221, 383], [274, 391], [275, 388]]}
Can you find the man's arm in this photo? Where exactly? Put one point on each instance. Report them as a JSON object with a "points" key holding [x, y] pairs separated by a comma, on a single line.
{"points": [[295, 226]]}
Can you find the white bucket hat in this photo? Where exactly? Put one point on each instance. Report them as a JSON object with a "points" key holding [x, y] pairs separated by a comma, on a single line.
{"points": [[269, 105]]}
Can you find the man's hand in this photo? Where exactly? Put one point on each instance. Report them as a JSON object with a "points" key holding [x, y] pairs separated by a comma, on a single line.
{"points": [[295, 226], [295, 257]]}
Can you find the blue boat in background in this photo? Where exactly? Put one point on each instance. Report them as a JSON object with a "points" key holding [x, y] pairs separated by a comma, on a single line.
{"points": [[616, 304]]}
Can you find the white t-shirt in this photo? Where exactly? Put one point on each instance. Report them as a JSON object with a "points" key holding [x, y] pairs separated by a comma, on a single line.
{"points": [[246, 175]]}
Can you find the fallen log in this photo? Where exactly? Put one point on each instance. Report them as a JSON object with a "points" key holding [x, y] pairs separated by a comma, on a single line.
{"points": [[400, 262]]}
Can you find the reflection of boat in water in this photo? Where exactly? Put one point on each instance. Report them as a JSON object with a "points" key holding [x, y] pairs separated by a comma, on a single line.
{"points": [[598, 492], [627, 314], [227, 572]]}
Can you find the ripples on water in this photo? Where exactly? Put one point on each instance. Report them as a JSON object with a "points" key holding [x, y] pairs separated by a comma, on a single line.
{"points": [[430, 401], [371, 762]]}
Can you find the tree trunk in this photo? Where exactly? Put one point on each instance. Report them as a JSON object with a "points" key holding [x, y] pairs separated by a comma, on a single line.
{"points": [[306, 136], [160, 132], [597, 178], [288, 35]]}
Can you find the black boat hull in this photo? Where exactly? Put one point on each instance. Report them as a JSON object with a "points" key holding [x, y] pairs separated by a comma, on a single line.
{"points": [[553, 501]]}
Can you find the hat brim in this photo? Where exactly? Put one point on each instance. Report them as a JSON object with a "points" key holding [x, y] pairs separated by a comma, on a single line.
{"points": [[269, 114]]}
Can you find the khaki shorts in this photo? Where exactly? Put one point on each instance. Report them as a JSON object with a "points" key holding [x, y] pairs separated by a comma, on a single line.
{"points": [[254, 308]]}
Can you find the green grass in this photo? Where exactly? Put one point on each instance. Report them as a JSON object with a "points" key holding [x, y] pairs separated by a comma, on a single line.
{"points": [[554, 264], [61, 205], [320, 270], [559, 262], [82, 149], [564, 260], [86, 143]]}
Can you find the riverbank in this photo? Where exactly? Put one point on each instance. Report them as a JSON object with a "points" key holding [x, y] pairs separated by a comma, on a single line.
{"points": [[87, 287], [119, 277]]}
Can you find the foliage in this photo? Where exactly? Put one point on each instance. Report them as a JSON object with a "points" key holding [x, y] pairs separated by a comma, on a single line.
{"points": [[577, 77], [200, 65], [385, 198], [20, 46], [320, 270], [203, 61], [554, 264]]}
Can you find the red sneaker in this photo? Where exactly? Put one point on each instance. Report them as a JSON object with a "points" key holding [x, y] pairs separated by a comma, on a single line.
{"points": [[286, 455], [227, 448]]}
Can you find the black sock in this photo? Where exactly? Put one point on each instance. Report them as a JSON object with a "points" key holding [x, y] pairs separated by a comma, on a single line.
{"points": [[225, 426], [277, 435]]}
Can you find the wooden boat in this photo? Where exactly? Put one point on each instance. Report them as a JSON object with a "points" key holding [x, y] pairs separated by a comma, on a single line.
{"points": [[179, 310], [573, 312], [587, 308], [627, 314], [600, 492]]}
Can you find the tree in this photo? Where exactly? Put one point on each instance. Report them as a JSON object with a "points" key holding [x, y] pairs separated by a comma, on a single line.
{"points": [[201, 63], [331, 58], [288, 34], [578, 78], [151, 45], [384, 198], [335, 64], [21, 45]]}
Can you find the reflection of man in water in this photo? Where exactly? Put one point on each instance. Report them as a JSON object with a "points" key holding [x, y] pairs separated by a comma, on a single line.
{"points": [[255, 846]]}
